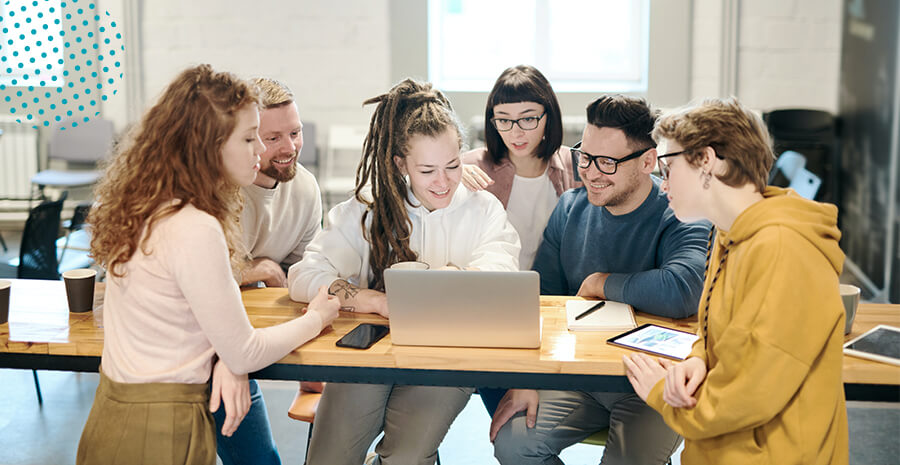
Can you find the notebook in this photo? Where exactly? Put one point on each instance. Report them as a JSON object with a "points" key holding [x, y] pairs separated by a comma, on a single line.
{"points": [[613, 316], [464, 308]]}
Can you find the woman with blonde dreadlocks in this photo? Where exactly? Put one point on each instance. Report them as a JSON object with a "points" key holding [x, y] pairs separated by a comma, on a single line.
{"points": [[408, 205]]}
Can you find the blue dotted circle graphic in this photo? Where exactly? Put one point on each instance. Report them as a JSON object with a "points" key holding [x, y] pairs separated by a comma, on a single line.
{"points": [[58, 61]]}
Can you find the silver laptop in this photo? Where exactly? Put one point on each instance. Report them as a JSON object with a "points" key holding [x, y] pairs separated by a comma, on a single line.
{"points": [[464, 308]]}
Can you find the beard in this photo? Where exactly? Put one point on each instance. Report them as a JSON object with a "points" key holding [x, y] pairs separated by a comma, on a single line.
{"points": [[280, 175], [625, 188]]}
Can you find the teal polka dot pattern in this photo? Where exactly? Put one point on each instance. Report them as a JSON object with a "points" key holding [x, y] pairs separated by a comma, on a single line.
{"points": [[59, 60]]}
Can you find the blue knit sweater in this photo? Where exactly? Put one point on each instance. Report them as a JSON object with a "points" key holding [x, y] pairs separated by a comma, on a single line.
{"points": [[656, 262]]}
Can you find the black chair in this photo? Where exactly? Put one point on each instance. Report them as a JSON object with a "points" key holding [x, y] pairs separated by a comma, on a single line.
{"points": [[76, 223], [37, 255], [814, 134]]}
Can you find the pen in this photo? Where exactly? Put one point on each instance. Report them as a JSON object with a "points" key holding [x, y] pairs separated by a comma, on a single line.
{"points": [[593, 309]]}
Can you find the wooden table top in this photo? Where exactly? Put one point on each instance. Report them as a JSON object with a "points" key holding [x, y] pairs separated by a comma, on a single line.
{"points": [[561, 351]]}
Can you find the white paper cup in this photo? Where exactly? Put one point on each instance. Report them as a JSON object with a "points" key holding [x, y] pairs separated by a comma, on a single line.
{"points": [[409, 266], [850, 297]]}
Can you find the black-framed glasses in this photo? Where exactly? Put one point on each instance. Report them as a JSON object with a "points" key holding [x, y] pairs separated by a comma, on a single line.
{"points": [[664, 166], [526, 123], [606, 165]]}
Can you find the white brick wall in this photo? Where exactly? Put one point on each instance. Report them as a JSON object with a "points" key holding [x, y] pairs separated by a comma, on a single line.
{"points": [[706, 57], [788, 52], [336, 54], [333, 56]]}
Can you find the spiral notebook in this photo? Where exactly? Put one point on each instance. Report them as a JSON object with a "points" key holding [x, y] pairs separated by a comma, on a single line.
{"points": [[613, 316]]}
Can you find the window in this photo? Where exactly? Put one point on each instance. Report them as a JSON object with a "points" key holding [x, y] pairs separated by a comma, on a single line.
{"points": [[580, 45], [31, 43]]}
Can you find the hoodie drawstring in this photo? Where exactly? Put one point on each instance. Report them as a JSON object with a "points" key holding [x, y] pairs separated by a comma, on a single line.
{"points": [[713, 283]]}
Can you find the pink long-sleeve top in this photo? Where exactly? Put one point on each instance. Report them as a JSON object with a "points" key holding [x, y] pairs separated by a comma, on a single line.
{"points": [[179, 304]]}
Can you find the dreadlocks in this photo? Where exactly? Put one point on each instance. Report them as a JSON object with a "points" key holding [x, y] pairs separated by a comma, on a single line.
{"points": [[410, 108]]}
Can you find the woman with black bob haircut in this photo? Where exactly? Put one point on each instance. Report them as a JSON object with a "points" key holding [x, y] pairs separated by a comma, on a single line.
{"points": [[524, 163]]}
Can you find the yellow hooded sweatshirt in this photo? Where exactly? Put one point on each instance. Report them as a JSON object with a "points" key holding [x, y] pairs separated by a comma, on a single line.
{"points": [[773, 392]]}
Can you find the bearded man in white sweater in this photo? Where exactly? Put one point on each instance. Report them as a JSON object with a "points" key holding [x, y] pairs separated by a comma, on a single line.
{"points": [[283, 206], [282, 213]]}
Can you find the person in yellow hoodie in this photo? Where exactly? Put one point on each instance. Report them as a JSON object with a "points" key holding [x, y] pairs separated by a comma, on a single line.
{"points": [[762, 384]]}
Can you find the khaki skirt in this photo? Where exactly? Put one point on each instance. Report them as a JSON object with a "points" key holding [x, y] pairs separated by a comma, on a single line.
{"points": [[152, 423]]}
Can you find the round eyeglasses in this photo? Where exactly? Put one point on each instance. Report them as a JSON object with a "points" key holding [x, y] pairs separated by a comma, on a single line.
{"points": [[526, 123], [606, 165]]}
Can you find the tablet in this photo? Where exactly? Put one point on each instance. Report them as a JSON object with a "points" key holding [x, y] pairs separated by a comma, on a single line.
{"points": [[881, 343], [657, 340]]}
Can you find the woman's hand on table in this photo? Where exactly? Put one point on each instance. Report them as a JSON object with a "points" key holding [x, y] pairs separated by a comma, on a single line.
{"points": [[474, 178], [355, 299], [371, 301], [234, 392], [326, 306]]}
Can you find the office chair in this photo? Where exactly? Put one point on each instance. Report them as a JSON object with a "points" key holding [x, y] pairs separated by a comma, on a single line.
{"points": [[37, 255], [76, 223], [814, 134], [83, 145], [304, 409]]}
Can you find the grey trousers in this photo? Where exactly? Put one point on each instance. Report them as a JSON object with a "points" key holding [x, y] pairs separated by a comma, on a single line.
{"points": [[637, 433], [414, 420]]}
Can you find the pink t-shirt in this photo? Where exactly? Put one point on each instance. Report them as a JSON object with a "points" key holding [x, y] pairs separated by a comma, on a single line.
{"points": [[178, 305]]}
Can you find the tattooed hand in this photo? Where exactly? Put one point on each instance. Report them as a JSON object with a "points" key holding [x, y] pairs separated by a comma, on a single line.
{"points": [[355, 299]]}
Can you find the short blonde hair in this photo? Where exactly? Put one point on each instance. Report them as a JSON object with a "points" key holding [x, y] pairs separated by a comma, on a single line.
{"points": [[272, 93], [735, 132]]}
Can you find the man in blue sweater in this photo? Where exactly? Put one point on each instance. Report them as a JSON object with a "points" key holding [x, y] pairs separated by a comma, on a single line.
{"points": [[615, 238]]}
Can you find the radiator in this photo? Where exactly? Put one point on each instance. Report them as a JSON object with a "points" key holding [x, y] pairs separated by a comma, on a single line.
{"points": [[18, 159]]}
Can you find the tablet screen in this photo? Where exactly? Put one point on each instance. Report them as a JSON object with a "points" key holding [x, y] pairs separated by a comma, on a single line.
{"points": [[882, 340], [657, 340]]}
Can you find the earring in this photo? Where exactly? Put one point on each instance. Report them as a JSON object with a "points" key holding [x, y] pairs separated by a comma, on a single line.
{"points": [[707, 175]]}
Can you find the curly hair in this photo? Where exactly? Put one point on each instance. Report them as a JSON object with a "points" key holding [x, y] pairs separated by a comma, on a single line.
{"points": [[172, 159], [410, 108], [735, 132]]}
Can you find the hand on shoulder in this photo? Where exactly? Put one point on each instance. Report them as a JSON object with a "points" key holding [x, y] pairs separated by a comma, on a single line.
{"points": [[474, 178]]}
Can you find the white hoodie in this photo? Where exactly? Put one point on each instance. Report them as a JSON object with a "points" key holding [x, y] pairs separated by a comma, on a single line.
{"points": [[470, 232]]}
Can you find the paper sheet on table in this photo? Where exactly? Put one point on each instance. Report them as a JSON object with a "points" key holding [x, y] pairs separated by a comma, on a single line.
{"points": [[38, 311]]}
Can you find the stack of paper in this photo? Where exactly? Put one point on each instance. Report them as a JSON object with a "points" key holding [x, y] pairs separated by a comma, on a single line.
{"points": [[613, 316]]}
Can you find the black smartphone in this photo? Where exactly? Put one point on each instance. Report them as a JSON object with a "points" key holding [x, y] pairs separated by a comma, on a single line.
{"points": [[363, 336]]}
